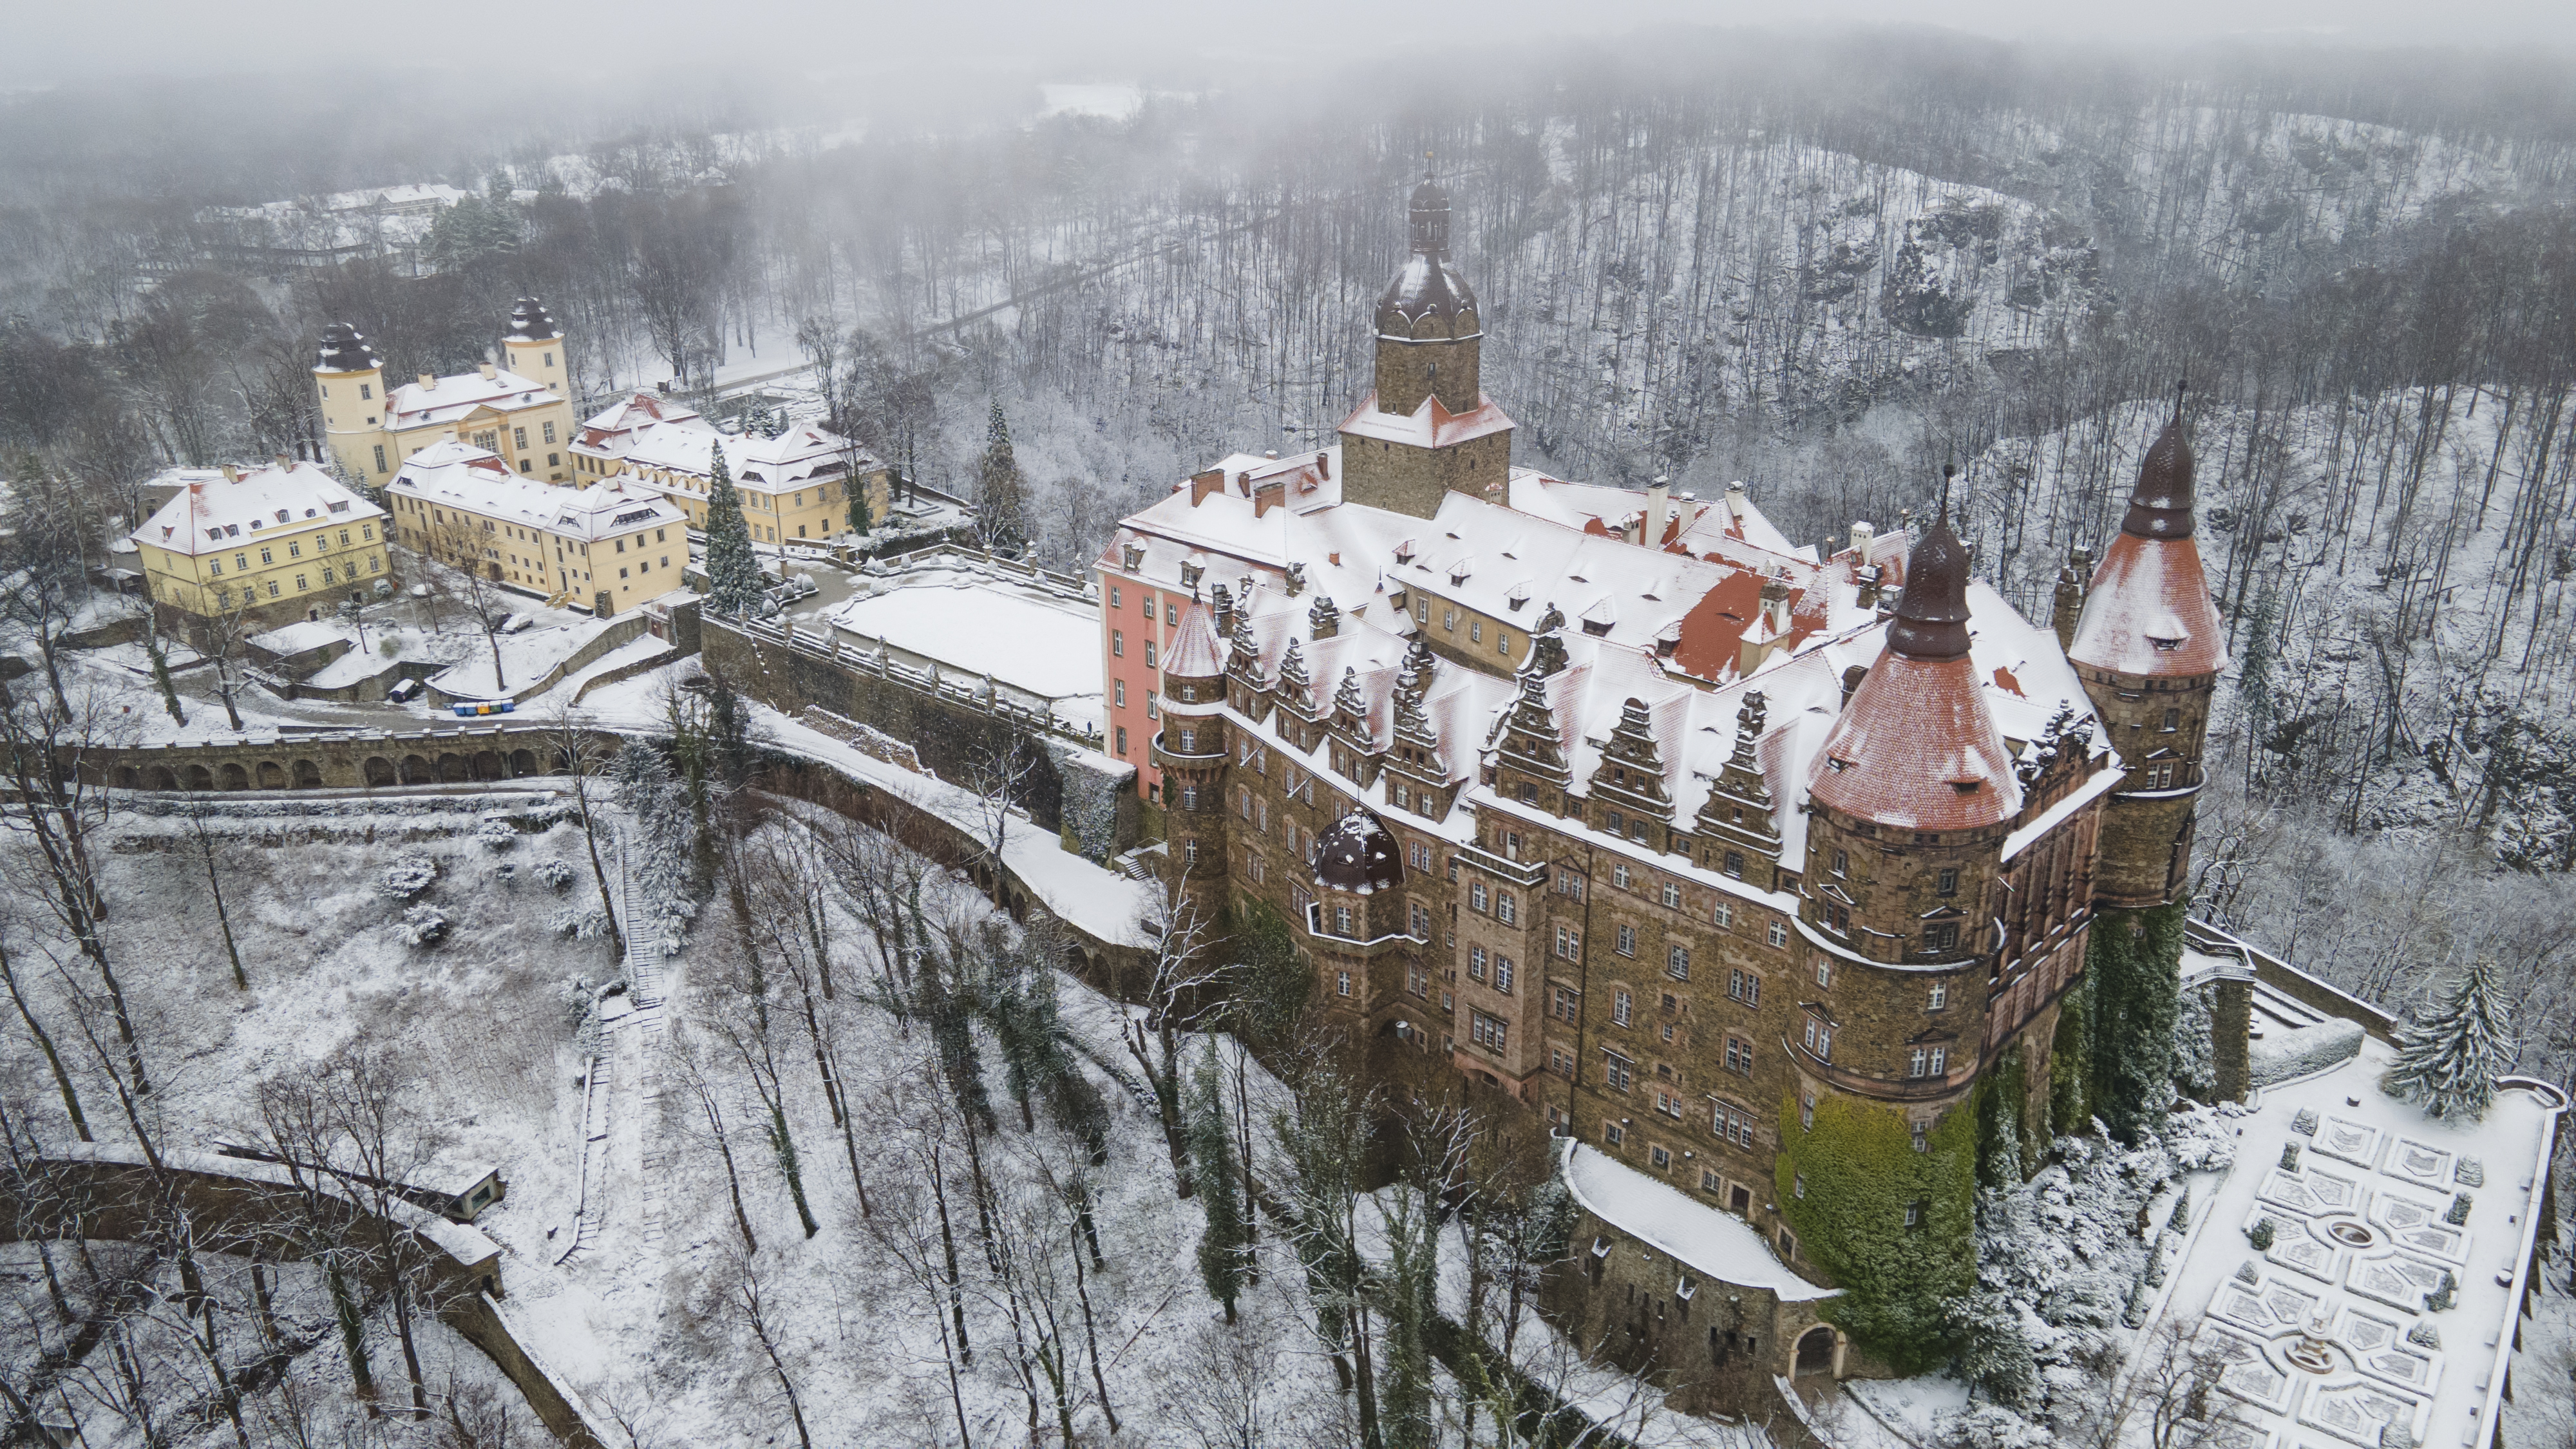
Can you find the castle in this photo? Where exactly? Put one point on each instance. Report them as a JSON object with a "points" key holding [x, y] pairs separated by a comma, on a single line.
{"points": [[1769, 884]]}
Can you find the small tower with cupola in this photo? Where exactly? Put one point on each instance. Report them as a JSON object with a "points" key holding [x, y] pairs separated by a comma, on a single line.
{"points": [[533, 347], [349, 379], [1190, 749]]}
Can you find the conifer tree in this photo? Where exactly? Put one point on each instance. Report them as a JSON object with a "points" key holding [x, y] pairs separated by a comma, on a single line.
{"points": [[2254, 679], [733, 573], [1002, 513], [1212, 1157], [2449, 1061]]}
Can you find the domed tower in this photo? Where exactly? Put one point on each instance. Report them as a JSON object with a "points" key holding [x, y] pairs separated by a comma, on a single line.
{"points": [[1427, 427], [1190, 751], [2149, 647], [533, 347], [1358, 916], [350, 379], [1912, 795]]}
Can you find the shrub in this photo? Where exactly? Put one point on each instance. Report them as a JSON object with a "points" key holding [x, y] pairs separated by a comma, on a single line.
{"points": [[497, 835], [2289, 1157], [424, 926], [2459, 1210], [557, 874], [580, 923], [406, 878], [2181, 1219], [2261, 1235]]}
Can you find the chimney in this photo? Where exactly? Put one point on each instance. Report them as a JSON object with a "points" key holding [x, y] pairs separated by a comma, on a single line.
{"points": [[231, 474], [1658, 499], [488, 370], [1775, 605], [1861, 537], [1203, 484], [1324, 466], [1735, 499], [429, 382], [1851, 682]]}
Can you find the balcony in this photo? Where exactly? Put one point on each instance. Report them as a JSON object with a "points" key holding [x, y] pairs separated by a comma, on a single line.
{"points": [[1885, 1089]]}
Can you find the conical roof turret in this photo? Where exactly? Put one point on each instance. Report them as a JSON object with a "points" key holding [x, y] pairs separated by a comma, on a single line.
{"points": [[2161, 503], [2148, 612], [1932, 612], [1427, 285]]}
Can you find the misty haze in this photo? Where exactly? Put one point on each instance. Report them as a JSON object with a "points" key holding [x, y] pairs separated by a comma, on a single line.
{"points": [[1356, 727]]}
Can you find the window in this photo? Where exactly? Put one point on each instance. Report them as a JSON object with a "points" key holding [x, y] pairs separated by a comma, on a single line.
{"points": [[1341, 983], [1613, 1134], [1820, 1038], [1560, 1061], [549, 433], [1807, 1113], [295, 549], [1119, 692], [1417, 981], [1824, 971], [1948, 883], [1661, 1157], [1341, 920], [1673, 894], [2173, 720], [1723, 914], [1739, 1055], [1476, 631], [1190, 746], [1569, 944], [1940, 1060], [1940, 995], [1914, 1062], [272, 588], [1189, 793], [1122, 739], [1618, 1071], [1798, 1185], [1922, 1137], [1744, 986], [1913, 1213], [1117, 645], [1667, 1103], [1153, 704], [1420, 921], [1941, 937], [1842, 862], [1567, 1001], [1149, 653], [1113, 596], [1475, 895], [380, 457], [1677, 963], [1779, 932], [1618, 873], [366, 391], [1506, 909], [1625, 942], [300, 585], [1420, 855], [1837, 918], [1735, 864], [1475, 963], [1503, 974], [1623, 1007], [1171, 611], [1487, 1031], [518, 437]]}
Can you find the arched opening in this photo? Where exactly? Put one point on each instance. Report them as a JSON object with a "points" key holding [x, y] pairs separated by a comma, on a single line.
{"points": [[159, 777], [379, 770], [308, 775], [451, 767], [236, 778], [125, 777], [523, 762], [1816, 1352], [200, 778], [487, 765], [415, 770], [271, 775]]}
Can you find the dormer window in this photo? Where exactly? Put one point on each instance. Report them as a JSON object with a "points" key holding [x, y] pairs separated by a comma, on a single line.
{"points": [[2164, 646], [1837, 765], [1966, 787]]}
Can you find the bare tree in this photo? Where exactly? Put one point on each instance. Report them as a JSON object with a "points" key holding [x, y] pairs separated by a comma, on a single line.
{"points": [[749, 1301], [471, 551], [583, 754], [1180, 971]]}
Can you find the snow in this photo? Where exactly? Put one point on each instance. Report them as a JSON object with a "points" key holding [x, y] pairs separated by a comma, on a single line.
{"points": [[2283, 1056], [1720, 1244], [975, 625], [299, 636], [243, 510], [525, 657]]}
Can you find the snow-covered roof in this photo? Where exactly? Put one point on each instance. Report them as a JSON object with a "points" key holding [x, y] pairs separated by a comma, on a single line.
{"points": [[1430, 425], [614, 429], [797, 456], [478, 482], [2328, 1328], [449, 399], [207, 516], [1718, 1244]]}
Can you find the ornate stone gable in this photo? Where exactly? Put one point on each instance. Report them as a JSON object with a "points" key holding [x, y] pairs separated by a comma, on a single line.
{"points": [[1740, 808], [1631, 772]]}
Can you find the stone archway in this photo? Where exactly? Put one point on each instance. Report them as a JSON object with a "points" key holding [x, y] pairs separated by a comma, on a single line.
{"points": [[523, 762], [1815, 1352], [378, 770], [451, 767], [487, 765], [236, 778], [159, 777], [415, 770], [200, 778], [308, 775], [126, 779], [271, 775]]}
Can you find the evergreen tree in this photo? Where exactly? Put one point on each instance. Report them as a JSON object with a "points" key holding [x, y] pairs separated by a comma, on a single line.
{"points": [[1001, 510], [734, 585], [861, 519], [1412, 1303], [2449, 1062], [2254, 677], [1038, 1059], [2135, 962], [1212, 1159]]}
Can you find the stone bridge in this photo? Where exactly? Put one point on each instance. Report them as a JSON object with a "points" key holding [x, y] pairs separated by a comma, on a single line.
{"points": [[257, 1210]]}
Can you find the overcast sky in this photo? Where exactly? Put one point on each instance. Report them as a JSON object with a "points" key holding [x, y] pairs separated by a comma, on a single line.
{"points": [[52, 40]]}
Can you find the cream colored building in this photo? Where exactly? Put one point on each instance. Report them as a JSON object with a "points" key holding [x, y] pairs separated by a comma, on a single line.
{"points": [[794, 486], [606, 547], [515, 409], [274, 544]]}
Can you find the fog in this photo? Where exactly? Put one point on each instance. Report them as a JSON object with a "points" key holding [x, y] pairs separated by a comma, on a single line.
{"points": [[796, 43]]}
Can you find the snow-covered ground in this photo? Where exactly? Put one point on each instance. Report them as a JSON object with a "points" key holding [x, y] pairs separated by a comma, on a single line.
{"points": [[975, 624]]}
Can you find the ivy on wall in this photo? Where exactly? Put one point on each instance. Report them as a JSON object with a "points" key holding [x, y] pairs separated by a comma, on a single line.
{"points": [[1860, 1175], [2070, 1062], [2135, 966]]}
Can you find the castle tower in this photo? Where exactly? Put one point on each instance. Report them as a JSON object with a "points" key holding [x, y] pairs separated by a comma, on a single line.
{"points": [[2149, 647], [1913, 795], [1427, 427], [350, 380], [1191, 752], [533, 346]]}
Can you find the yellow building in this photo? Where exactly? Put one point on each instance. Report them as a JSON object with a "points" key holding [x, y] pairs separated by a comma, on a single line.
{"points": [[605, 548], [793, 486], [515, 410], [273, 545]]}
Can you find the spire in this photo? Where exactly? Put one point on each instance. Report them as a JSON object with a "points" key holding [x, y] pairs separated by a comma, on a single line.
{"points": [[1932, 613], [2160, 506], [1430, 214]]}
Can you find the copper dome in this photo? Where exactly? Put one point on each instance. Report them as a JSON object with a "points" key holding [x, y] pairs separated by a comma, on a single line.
{"points": [[1932, 613], [1358, 854], [1427, 285], [2160, 506]]}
